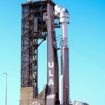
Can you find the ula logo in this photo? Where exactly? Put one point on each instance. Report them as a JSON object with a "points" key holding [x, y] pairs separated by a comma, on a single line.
{"points": [[50, 73]]}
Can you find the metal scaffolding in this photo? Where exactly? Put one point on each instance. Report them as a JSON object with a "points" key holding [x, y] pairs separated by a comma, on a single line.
{"points": [[33, 34]]}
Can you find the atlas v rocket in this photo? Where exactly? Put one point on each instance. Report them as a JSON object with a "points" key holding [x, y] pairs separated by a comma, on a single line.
{"points": [[38, 22], [64, 78]]}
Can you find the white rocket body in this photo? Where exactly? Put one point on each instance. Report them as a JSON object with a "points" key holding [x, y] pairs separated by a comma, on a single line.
{"points": [[64, 78], [61, 89]]}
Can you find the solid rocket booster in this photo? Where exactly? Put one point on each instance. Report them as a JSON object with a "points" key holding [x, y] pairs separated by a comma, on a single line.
{"points": [[64, 78]]}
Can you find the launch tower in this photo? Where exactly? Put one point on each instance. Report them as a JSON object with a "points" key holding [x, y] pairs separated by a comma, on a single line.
{"points": [[39, 21]]}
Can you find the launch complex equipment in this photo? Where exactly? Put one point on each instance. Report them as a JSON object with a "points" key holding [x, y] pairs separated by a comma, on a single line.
{"points": [[39, 22]]}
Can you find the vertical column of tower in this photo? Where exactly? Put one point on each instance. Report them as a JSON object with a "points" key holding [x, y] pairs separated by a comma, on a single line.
{"points": [[52, 76], [25, 80], [29, 48], [33, 51]]}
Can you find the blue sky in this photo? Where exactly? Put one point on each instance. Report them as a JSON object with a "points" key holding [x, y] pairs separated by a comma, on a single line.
{"points": [[87, 50]]}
